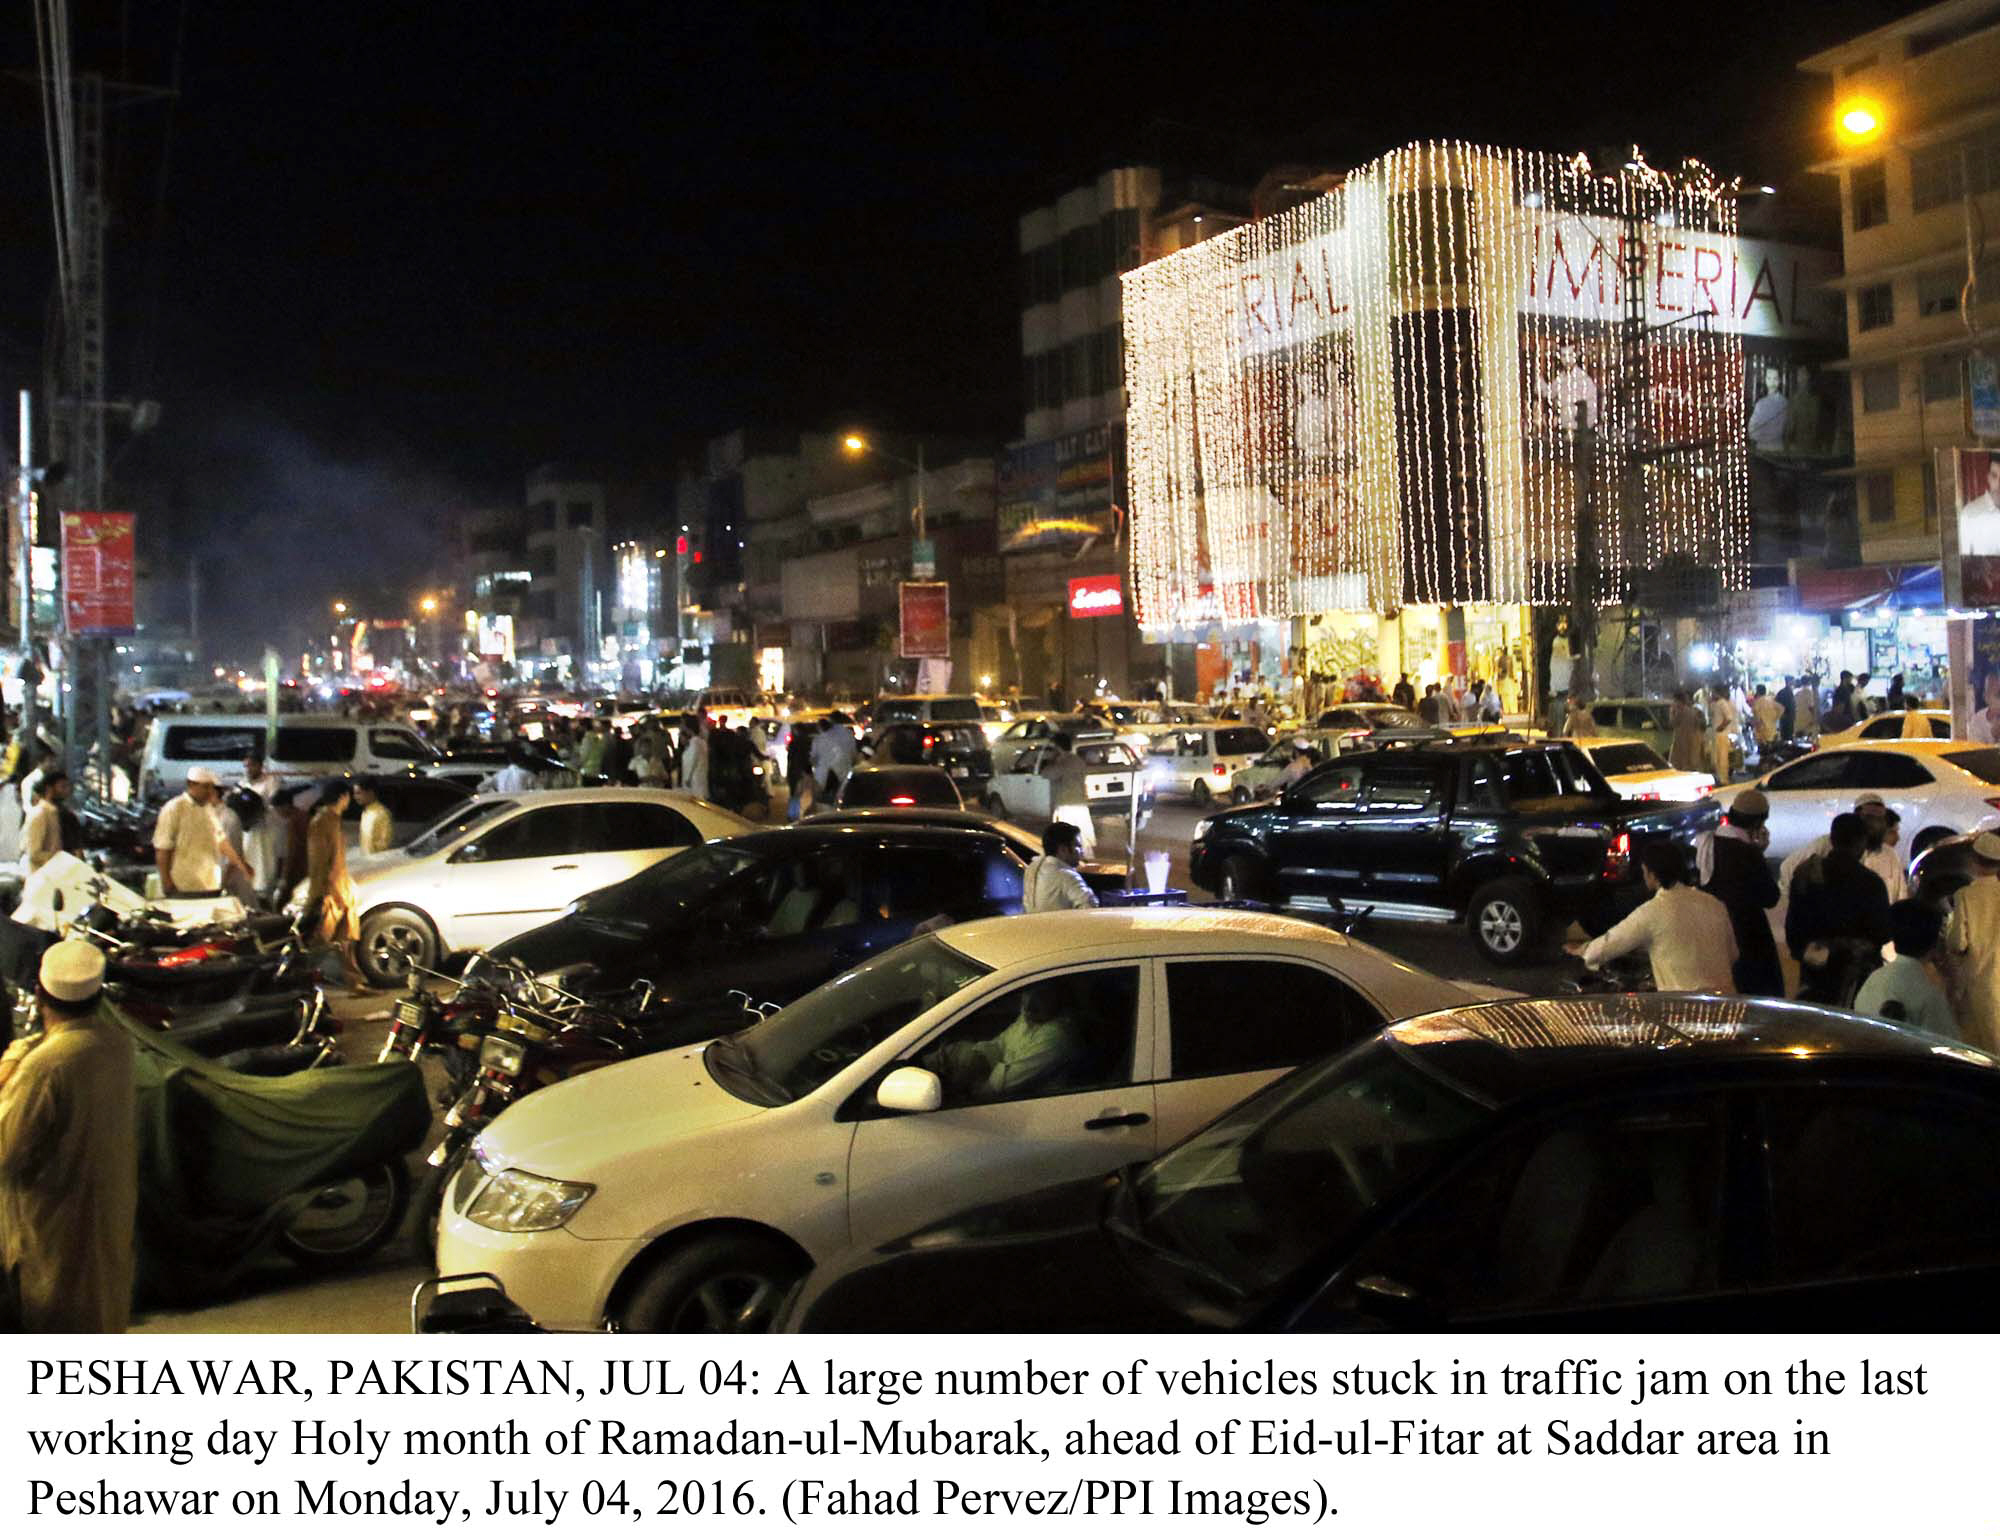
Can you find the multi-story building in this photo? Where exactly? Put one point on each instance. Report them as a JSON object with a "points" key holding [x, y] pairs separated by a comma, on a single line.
{"points": [[1913, 109], [494, 576], [568, 570]]}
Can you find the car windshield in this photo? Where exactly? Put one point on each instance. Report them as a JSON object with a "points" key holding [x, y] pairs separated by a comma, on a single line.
{"points": [[889, 788], [1256, 1195], [453, 824], [1552, 773], [954, 709], [664, 889], [1982, 763], [798, 1048], [1106, 754], [1241, 741], [1627, 757]]}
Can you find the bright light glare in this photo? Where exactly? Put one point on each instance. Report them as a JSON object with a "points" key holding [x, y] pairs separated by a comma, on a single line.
{"points": [[854, 444], [1860, 120], [1701, 657]]}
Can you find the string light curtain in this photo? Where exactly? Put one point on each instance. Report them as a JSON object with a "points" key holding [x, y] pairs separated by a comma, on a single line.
{"points": [[1423, 386]]}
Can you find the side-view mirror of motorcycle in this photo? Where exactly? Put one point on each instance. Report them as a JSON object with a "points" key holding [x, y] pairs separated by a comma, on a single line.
{"points": [[910, 1091]]}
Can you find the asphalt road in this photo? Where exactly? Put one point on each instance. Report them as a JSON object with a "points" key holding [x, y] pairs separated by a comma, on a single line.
{"points": [[375, 1298]]}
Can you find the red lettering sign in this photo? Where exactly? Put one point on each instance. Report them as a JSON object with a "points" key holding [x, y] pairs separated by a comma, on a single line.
{"points": [[926, 619], [1092, 597], [97, 557]]}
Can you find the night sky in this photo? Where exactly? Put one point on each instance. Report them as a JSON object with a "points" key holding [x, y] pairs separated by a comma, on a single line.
{"points": [[400, 253]]}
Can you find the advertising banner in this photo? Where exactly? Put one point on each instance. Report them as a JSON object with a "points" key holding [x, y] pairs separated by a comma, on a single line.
{"points": [[1060, 490], [1978, 528], [926, 619], [97, 561]]}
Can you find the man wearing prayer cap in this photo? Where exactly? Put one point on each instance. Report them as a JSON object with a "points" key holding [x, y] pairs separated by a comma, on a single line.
{"points": [[1972, 949], [69, 1162]]}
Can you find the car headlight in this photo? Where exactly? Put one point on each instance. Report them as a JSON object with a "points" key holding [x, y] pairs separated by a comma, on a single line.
{"points": [[502, 1054], [514, 1200]]}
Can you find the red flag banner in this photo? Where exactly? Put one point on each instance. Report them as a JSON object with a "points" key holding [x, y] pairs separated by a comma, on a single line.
{"points": [[926, 612], [97, 557]]}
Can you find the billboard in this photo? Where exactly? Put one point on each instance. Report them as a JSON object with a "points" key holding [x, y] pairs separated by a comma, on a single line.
{"points": [[1094, 597], [1979, 528], [1059, 490], [97, 561], [926, 619]]}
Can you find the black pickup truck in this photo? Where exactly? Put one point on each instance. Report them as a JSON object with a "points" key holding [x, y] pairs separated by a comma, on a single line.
{"points": [[1514, 839]]}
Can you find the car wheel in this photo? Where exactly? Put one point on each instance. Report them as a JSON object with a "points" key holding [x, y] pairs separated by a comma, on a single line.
{"points": [[1928, 839], [1239, 796], [1241, 878], [1201, 794], [1506, 920], [730, 1283], [393, 938], [428, 1203]]}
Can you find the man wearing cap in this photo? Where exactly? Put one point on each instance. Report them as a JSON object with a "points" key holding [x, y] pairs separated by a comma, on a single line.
{"points": [[1882, 856], [1837, 921], [69, 1162], [1731, 864], [187, 842], [1972, 949]]}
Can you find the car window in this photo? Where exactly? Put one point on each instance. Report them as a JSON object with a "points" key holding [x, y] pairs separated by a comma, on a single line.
{"points": [[614, 826], [919, 883], [954, 709], [398, 746], [1941, 731], [1392, 719], [1194, 744], [1982, 763], [1880, 1181], [1336, 787], [1401, 787], [1066, 1034], [1483, 786], [213, 744], [418, 800], [1528, 776], [1255, 1015], [1883, 726], [1105, 754], [1885, 770], [1240, 741], [1615, 1203], [1604, 714], [1161, 746], [456, 823], [314, 744], [1019, 730], [535, 834], [1627, 757], [1823, 770]]}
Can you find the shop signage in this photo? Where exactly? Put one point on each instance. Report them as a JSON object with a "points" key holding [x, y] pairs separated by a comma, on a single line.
{"points": [[1093, 597], [925, 608], [923, 559], [1059, 490], [97, 557]]}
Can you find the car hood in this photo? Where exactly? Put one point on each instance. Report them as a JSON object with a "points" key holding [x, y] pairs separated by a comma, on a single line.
{"points": [[571, 1129]]}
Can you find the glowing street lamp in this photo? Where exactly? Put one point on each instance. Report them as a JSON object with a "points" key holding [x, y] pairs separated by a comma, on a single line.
{"points": [[340, 608], [1859, 120], [856, 445]]}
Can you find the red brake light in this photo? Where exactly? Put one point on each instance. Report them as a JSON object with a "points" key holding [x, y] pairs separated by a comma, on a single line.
{"points": [[1617, 855], [902, 799], [1221, 770], [929, 742]]}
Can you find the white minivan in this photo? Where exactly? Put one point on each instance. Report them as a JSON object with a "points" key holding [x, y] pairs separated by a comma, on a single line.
{"points": [[305, 746]]}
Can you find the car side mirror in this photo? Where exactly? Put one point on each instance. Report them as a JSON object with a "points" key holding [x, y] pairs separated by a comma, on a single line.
{"points": [[910, 1091], [1390, 1301], [471, 853]]}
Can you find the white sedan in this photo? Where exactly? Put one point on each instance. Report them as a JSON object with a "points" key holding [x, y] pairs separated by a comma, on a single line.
{"points": [[1028, 790], [689, 1190], [1932, 785], [1637, 772], [501, 864]]}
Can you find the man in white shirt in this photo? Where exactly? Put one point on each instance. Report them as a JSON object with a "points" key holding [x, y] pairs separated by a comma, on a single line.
{"points": [[1882, 856], [1685, 932], [378, 827], [1033, 1053], [515, 779], [1722, 723], [1979, 519], [50, 762], [42, 836], [264, 841], [833, 752], [1052, 883], [187, 844]]}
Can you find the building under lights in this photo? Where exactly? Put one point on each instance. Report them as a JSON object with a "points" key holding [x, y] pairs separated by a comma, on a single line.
{"points": [[1380, 431]]}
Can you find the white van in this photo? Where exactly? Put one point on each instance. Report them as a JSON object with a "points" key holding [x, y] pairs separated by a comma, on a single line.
{"points": [[306, 746]]}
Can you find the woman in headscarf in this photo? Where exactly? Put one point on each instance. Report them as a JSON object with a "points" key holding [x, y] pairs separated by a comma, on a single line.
{"points": [[332, 916]]}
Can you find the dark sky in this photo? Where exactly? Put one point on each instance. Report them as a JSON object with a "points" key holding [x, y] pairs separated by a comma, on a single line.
{"points": [[400, 252]]}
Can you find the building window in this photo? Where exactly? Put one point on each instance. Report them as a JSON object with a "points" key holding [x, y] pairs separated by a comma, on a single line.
{"points": [[1875, 307], [1076, 370], [1942, 376], [1937, 292], [1869, 189], [1940, 174], [1041, 276], [1930, 493], [581, 514], [1880, 390], [1880, 493], [1082, 262], [543, 516], [1107, 360]]}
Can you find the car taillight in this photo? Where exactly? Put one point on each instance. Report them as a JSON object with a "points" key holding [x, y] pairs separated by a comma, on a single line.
{"points": [[1220, 770], [1651, 794], [1994, 802], [1617, 855], [929, 742], [902, 799]]}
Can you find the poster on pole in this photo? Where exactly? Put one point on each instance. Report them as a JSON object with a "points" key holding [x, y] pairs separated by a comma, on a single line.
{"points": [[926, 619], [97, 561]]}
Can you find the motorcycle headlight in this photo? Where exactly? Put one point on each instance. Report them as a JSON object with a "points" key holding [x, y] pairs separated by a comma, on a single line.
{"points": [[502, 1054], [514, 1200]]}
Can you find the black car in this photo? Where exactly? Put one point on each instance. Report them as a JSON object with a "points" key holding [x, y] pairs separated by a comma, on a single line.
{"points": [[1105, 878], [960, 750], [1639, 1162], [771, 914], [899, 785], [1515, 838]]}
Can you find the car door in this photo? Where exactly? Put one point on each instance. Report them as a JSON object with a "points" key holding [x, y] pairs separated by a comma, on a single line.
{"points": [[391, 747], [615, 839], [1313, 841], [1403, 825], [506, 879], [1161, 755], [1234, 1023], [1912, 791], [1022, 789], [1805, 797], [1615, 1214], [1041, 1085]]}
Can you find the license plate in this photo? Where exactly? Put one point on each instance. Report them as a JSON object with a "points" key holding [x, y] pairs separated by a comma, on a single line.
{"points": [[1101, 786], [410, 1014], [960, 771]]}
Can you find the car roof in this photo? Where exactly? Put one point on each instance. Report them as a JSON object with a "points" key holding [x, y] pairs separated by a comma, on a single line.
{"points": [[1507, 1050], [1099, 933], [934, 815], [848, 826], [675, 797], [884, 770], [1922, 745]]}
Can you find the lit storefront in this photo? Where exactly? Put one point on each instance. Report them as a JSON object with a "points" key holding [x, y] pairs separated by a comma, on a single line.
{"points": [[1421, 405]]}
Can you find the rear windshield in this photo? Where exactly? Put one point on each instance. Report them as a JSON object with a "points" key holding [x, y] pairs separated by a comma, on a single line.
{"points": [[1551, 774], [212, 743], [314, 744], [959, 738], [954, 709], [1106, 754], [1241, 741], [874, 789], [1982, 763], [899, 709], [1627, 757]]}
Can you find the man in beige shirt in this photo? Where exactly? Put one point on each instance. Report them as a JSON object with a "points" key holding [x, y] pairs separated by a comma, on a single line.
{"points": [[41, 837], [188, 844]]}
